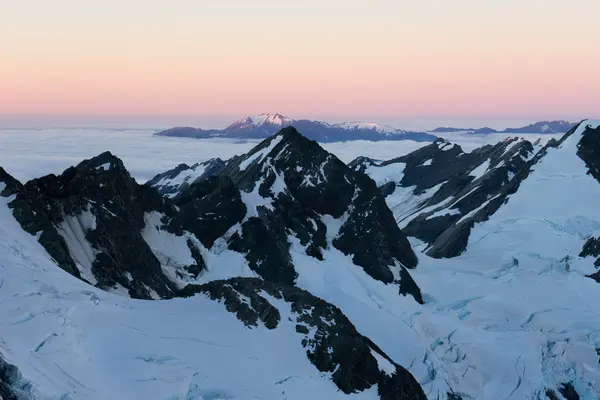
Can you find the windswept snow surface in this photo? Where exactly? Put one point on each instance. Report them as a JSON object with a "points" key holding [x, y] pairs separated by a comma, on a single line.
{"points": [[515, 314], [73, 341]]}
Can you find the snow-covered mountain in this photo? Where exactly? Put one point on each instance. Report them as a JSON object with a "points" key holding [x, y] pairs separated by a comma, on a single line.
{"points": [[549, 127], [438, 192], [291, 272], [265, 125], [250, 238]]}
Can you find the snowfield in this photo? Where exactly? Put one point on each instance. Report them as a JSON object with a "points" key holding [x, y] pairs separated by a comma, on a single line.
{"points": [[73, 341], [511, 317]]}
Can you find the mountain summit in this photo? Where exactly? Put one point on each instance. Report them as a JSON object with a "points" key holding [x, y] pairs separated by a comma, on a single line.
{"points": [[260, 120], [265, 125]]}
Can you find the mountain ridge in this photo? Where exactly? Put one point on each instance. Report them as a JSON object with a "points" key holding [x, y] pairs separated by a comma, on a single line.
{"points": [[265, 125], [286, 254], [540, 127]]}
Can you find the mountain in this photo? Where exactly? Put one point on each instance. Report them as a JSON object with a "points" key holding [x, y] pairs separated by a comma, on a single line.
{"points": [[440, 274], [515, 227], [438, 192], [265, 125], [246, 240], [543, 127], [550, 127]]}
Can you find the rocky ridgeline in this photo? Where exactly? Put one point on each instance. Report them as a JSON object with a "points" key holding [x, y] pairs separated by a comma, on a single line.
{"points": [[451, 190]]}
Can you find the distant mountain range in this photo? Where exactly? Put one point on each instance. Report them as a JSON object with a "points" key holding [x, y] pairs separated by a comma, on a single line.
{"points": [[266, 125], [549, 127]]}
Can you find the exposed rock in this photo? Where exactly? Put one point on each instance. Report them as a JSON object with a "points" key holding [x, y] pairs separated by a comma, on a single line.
{"points": [[11, 185], [208, 209], [331, 341], [589, 150], [292, 187], [568, 391], [90, 219], [12, 384], [451, 189]]}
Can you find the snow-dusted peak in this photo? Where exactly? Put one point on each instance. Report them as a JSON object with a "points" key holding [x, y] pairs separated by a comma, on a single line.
{"points": [[263, 119], [374, 126]]}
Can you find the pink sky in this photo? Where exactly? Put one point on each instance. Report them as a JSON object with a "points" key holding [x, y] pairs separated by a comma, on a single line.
{"points": [[349, 57]]}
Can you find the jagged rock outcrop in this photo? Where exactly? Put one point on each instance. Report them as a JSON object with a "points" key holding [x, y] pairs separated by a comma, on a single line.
{"points": [[292, 187], [331, 341], [90, 219], [8, 184], [438, 192]]}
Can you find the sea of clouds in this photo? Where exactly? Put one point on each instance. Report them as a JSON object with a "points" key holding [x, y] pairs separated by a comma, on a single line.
{"points": [[30, 153]]}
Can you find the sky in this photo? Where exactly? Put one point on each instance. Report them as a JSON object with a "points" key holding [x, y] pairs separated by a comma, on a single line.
{"points": [[381, 59]]}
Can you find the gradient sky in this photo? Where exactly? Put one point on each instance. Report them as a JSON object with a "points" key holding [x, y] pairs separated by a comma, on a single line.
{"points": [[301, 58]]}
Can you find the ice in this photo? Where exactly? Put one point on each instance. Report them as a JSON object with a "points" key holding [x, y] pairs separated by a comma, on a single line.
{"points": [[383, 363], [73, 230], [104, 167], [388, 173], [261, 154], [480, 170], [444, 212], [183, 177]]}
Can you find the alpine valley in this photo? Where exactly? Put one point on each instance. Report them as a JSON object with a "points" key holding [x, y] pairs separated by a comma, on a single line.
{"points": [[284, 273]]}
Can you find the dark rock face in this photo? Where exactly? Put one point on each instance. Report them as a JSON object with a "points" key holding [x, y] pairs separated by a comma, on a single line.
{"points": [[12, 384], [208, 209], [591, 248], [178, 179], [10, 185], [296, 184], [332, 343], [99, 203], [568, 391], [588, 150]]}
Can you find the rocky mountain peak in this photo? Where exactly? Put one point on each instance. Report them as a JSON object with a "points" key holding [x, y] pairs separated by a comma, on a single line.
{"points": [[8, 184]]}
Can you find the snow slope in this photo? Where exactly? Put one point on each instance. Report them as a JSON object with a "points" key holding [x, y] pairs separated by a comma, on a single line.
{"points": [[513, 317], [72, 341], [515, 314]]}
